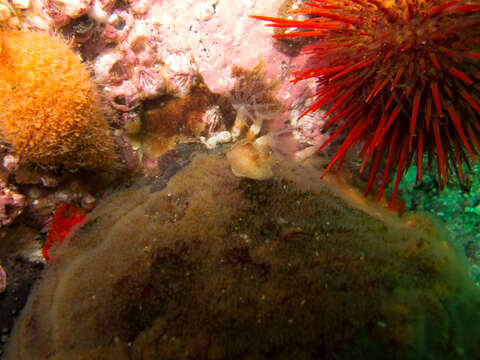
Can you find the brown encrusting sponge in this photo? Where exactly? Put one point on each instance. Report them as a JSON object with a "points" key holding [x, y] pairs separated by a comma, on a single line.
{"points": [[214, 266], [50, 110]]}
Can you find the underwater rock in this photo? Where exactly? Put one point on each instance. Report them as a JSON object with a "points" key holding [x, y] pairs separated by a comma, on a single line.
{"points": [[3, 280], [215, 266], [21, 274], [11, 203]]}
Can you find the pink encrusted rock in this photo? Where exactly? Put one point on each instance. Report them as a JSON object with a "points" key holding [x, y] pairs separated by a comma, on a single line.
{"points": [[59, 12], [148, 81], [110, 67], [118, 25], [213, 35], [308, 129], [123, 97], [237, 40], [153, 46], [11, 204], [223, 39], [149, 163], [204, 11], [100, 10], [141, 6], [10, 162], [181, 72], [149, 47], [52, 12], [141, 46], [50, 15], [74, 8]]}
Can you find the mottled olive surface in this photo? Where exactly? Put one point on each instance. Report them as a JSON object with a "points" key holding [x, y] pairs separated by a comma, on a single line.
{"points": [[215, 266]]}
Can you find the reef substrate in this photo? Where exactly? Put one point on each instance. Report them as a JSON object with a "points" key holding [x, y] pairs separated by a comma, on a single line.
{"points": [[215, 266]]}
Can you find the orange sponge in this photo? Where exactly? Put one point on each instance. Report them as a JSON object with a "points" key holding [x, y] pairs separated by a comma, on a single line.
{"points": [[50, 112]]}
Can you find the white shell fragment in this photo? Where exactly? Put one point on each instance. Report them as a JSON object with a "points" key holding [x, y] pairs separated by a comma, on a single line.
{"points": [[250, 160], [21, 4], [222, 137], [4, 12], [204, 11]]}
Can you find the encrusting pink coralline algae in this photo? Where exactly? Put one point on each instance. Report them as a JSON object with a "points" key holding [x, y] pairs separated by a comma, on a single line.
{"points": [[158, 47], [144, 49], [11, 204]]}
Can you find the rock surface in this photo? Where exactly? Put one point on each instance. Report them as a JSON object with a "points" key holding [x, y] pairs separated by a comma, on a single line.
{"points": [[215, 266]]}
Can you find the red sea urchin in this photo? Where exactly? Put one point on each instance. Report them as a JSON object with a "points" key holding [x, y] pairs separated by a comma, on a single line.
{"points": [[399, 76]]}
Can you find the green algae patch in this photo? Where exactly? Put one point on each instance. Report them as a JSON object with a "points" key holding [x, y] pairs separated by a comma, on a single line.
{"points": [[216, 266]]}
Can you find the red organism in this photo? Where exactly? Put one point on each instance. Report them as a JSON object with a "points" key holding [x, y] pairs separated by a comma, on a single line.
{"points": [[65, 218], [399, 77]]}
